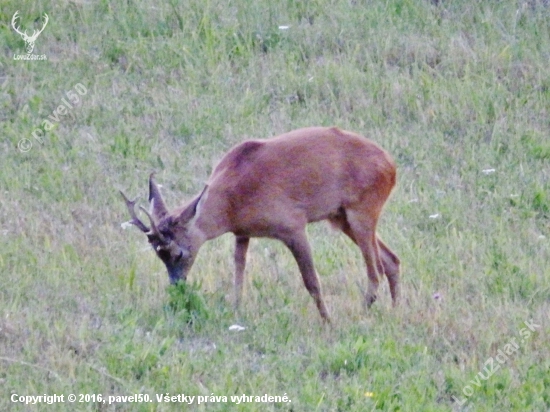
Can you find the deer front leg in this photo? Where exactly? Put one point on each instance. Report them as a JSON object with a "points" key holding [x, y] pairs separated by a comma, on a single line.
{"points": [[241, 247], [299, 246]]}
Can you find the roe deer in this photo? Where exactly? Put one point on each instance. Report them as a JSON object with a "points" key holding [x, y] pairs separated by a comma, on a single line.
{"points": [[273, 188]]}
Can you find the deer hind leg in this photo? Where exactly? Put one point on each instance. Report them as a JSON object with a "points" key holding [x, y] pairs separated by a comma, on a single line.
{"points": [[241, 248], [363, 229], [299, 246], [389, 261]]}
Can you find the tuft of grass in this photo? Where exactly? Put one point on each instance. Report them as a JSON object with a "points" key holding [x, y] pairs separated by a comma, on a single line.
{"points": [[186, 303]]}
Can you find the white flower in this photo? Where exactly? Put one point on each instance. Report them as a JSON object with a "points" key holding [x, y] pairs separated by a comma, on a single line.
{"points": [[125, 225]]}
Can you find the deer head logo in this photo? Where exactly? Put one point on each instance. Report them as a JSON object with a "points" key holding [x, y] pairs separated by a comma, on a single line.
{"points": [[29, 40]]}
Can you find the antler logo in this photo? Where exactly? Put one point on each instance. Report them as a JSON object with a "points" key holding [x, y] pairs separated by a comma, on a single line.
{"points": [[29, 40]]}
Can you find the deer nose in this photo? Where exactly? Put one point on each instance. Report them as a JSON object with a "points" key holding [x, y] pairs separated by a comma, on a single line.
{"points": [[175, 273]]}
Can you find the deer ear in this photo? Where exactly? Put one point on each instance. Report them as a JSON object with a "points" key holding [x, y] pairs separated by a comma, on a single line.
{"points": [[191, 209], [157, 206]]}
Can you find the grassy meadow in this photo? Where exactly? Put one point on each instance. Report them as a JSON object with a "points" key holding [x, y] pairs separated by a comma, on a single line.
{"points": [[457, 91]]}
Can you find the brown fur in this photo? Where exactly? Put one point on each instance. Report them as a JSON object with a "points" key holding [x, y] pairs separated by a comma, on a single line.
{"points": [[274, 188]]}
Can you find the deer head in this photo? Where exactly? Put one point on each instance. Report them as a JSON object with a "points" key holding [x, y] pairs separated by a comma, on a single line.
{"points": [[169, 234], [29, 40]]}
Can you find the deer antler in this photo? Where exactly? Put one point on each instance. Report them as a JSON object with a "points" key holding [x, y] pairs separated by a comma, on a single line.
{"points": [[154, 228], [15, 16], [135, 220]]}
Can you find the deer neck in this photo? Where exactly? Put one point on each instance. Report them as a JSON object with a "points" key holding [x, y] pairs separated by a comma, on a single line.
{"points": [[210, 220]]}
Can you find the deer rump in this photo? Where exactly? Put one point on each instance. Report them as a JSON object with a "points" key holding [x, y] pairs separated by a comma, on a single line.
{"points": [[274, 188]]}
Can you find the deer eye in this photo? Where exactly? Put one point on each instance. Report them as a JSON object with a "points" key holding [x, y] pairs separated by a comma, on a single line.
{"points": [[163, 253]]}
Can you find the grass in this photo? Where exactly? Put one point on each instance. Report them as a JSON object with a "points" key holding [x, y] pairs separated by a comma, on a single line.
{"points": [[452, 90]]}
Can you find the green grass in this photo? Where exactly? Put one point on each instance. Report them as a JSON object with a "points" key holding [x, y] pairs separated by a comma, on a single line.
{"points": [[451, 90]]}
